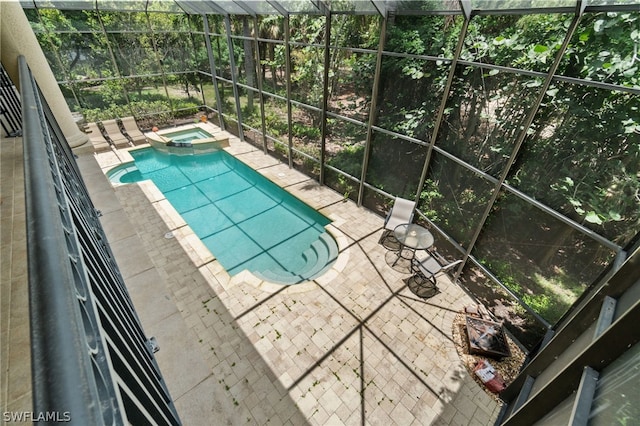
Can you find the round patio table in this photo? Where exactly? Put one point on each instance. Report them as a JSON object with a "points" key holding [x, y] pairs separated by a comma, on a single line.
{"points": [[412, 237]]}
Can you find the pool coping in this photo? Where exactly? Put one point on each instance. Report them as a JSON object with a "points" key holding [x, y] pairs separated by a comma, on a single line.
{"points": [[193, 246]]}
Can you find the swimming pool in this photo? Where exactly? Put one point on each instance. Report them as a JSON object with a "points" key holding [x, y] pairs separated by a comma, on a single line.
{"points": [[245, 220]]}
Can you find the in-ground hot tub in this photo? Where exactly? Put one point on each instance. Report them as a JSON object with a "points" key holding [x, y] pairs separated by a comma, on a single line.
{"points": [[199, 137]]}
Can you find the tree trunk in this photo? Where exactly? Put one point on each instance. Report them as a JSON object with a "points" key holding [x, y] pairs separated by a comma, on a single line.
{"points": [[546, 256], [186, 86], [249, 62]]}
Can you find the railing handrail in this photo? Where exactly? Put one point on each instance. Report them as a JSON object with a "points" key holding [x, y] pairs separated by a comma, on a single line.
{"points": [[61, 367], [91, 362]]}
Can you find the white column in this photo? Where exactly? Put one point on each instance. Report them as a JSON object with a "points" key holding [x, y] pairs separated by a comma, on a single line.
{"points": [[16, 39]]}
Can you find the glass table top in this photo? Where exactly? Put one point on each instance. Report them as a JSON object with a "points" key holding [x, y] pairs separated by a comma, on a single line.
{"points": [[413, 236]]}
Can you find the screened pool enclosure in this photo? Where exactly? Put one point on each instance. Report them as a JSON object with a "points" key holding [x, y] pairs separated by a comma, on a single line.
{"points": [[515, 124]]}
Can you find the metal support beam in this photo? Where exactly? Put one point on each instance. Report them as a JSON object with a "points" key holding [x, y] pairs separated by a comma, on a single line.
{"points": [[604, 347], [276, 5], [604, 350], [606, 315], [373, 114], [212, 66], [112, 55], [56, 52], [287, 72], [234, 75], [325, 92], [263, 124], [159, 62], [194, 47], [440, 115], [584, 397], [466, 7]]}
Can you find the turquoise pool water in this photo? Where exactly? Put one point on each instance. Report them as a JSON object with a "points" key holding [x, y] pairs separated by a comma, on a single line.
{"points": [[245, 220]]}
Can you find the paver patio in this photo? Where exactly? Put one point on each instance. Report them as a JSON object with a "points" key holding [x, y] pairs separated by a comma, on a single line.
{"points": [[354, 346]]}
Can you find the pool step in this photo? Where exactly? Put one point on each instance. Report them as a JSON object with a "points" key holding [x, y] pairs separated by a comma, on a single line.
{"points": [[322, 249], [279, 275], [332, 246], [327, 253], [285, 276], [318, 258], [312, 257]]}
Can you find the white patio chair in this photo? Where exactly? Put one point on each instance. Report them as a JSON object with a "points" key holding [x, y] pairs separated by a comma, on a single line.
{"points": [[423, 282], [401, 212]]}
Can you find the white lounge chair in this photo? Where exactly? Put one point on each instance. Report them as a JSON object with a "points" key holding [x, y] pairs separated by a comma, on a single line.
{"points": [[401, 212], [100, 144], [133, 131], [113, 132]]}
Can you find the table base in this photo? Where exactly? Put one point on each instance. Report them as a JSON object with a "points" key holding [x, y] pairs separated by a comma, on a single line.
{"points": [[400, 256]]}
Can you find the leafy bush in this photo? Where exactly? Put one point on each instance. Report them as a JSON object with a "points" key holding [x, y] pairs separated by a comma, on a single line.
{"points": [[275, 124], [302, 131], [160, 109], [349, 160]]}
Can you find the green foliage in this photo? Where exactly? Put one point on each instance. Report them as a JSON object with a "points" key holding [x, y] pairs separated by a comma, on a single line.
{"points": [[429, 198], [308, 74], [590, 138], [302, 131], [414, 118], [348, 187], [362, 72], [528, 42], [360, 31], [423, 35], [349, 160], [87, 55], [276, 124], [549, 298], [281, 149], [606, 49], [159, 109], [484, 115], [184, 107], [580, 157], [307, 28], [110, 92]]}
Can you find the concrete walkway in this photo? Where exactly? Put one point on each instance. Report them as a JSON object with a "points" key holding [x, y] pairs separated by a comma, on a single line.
{"points": [[15, 341]]}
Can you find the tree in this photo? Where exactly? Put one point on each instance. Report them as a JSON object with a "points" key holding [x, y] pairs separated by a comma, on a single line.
{"points": [[582, 155], [249, 62]]}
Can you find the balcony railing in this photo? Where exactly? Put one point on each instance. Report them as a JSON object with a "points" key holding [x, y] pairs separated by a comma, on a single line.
{"points": [[91, 361]]}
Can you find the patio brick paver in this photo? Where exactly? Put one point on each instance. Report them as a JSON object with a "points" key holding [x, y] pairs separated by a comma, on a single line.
{"points": [[354, 346]]}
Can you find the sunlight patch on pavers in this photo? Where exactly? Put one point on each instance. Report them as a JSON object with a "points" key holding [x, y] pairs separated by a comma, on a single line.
{"points": [[353, 346]]}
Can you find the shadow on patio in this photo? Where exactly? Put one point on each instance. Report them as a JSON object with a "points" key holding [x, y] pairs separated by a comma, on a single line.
{"points": [[356, 347]]}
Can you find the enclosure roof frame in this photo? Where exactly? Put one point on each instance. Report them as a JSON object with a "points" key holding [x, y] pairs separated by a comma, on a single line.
{"points": [[255, 8]]}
